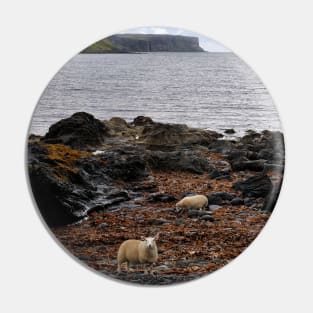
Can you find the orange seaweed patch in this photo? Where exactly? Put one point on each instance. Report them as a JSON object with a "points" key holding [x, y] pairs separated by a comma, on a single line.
{"points": [[63, 159]]}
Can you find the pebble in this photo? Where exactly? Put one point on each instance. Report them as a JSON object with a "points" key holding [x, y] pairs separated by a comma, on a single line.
{"points": [[214, 207], [207, 218], [157, 221], [237, 201], [192, 213]]}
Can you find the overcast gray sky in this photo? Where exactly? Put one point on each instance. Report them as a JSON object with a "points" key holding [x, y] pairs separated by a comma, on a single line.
{"points": [[206, 43]]}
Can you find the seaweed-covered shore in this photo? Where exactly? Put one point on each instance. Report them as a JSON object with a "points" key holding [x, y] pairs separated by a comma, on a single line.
{"points": [[98, 183]]}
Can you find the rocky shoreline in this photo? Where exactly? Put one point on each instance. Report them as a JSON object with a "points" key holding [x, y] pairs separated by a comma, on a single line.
{"points": [[98, 183]]}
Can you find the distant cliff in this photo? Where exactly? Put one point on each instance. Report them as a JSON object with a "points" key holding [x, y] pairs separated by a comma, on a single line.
{"points": [[128, 43]]}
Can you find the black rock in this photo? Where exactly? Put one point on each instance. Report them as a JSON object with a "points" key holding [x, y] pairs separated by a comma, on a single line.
{"points": [[218, 173], [248, 201], [255, 186], [179, 160], [207, 218], [243, 165], [237, 201], [79, 131], [160, 135], [142, 121], [127, 164], [222, 146], [228, 177], [156, 221], [229, 131], [220, 197], [161, 197], [194, 213], [235, 154], [187, 194]]}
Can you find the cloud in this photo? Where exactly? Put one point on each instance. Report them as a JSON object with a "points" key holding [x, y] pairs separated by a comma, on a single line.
{"points": [[206, 43]]}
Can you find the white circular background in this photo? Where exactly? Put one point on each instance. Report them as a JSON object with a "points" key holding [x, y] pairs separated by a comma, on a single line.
{"points": [[274, 38]]}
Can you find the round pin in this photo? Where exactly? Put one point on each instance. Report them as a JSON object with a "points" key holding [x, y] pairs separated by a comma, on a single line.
{"points": [[155, 156]]}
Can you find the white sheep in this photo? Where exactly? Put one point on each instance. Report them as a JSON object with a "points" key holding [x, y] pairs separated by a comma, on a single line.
{"points": [[135, 252], [193, 202]]}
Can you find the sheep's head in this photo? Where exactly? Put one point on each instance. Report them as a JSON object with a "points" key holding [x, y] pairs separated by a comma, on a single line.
{"points": [[177, 205], [150, 241]]}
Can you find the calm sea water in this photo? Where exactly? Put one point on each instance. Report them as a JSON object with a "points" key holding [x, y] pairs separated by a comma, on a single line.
{"points": [[209, 90]]}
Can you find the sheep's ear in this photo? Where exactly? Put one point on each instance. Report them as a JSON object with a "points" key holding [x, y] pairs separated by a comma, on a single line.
{"points": [[156, 237], [143, 238]]}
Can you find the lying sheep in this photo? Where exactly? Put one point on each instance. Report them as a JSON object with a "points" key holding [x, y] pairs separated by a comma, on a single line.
{"points": [[135, 252], [192, 202]]}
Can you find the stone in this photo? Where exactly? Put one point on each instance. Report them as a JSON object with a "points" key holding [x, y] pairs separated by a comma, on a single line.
{"points": [[229, 131], [221, 145], [156, 221], [188, 161], [255, 186], [207, 218], [219, 173], [220, 197], [237, 201], [80, 131], [195, 213], [161, 135], [214, 207], [161, 197], [142, 121], [243, 165]]}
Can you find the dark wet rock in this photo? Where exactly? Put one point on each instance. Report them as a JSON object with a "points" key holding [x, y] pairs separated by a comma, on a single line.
{"points": [[222, 163], [214, 207], [188, 161], [248, 201], [187, 193], [237, 154], [80, 131], [125, 163], [212, 199], [161, 197], [222, 146], [120, 128], [220, 197], [69, 184], [229, 131], [224, 177], [195, 213], [180, 221], [156, 221], [255, 186], [148, 184], [207, 218], [266, 154], [219, 173], [237, 201], [244, 165], [160, 135], [142, 121]]}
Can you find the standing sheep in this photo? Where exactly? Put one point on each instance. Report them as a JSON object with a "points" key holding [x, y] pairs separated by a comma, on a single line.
{"points": [[193, 202], [138, 252]]}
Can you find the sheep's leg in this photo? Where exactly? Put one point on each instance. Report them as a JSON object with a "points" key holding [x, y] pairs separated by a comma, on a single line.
{"points": [[127, 267], [118, 267], [151, 269], [145, 269]]}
